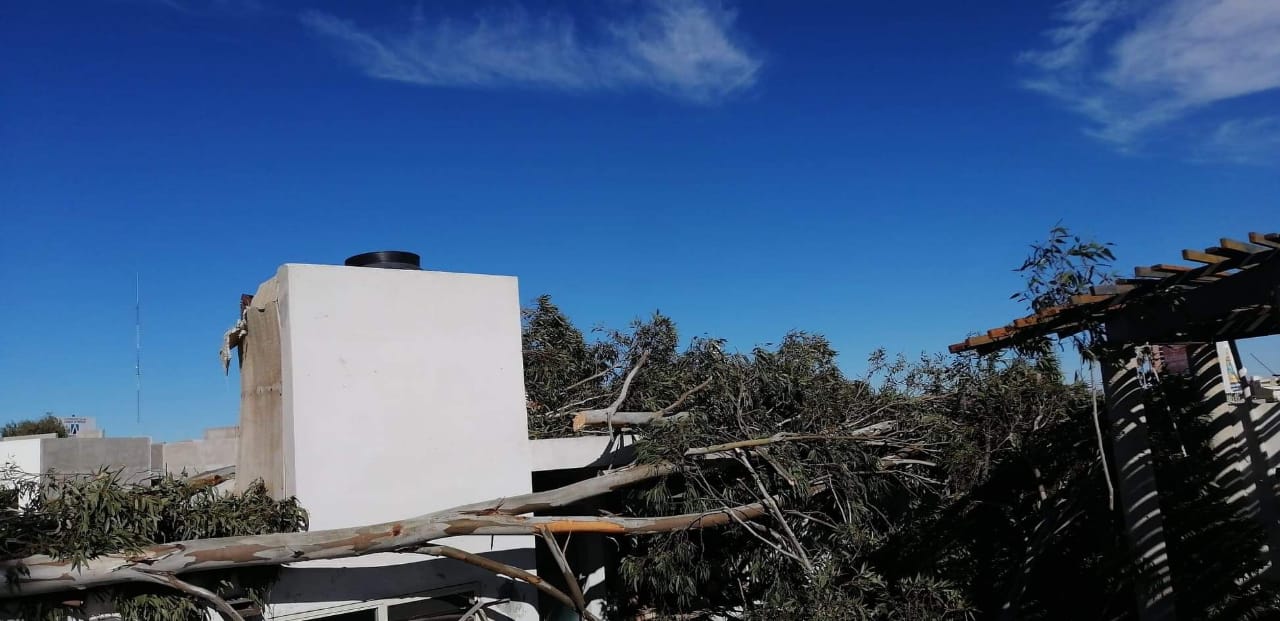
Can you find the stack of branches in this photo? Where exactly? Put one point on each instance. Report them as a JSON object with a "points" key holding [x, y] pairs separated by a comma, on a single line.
{"points": [[835, 464], [139, 554]]}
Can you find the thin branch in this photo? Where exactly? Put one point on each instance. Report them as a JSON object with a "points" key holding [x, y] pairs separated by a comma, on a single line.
{"points": [[626, 382], [608, 412], [806, 516], [866, 434], [779, 549], [575, 589], [777, 513], [699, 479], [593, 377], [562, 410], [569, 494], [228, 613], [899, 461], [675, 404], [471, 612], [786, 476], [502, 569]]}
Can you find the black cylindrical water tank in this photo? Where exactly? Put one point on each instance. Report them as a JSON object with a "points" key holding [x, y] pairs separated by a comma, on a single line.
{"points": [[387, 260]]}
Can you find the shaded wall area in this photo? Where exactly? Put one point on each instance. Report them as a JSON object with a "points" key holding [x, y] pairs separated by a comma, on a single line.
{"points": [[132, 456]]}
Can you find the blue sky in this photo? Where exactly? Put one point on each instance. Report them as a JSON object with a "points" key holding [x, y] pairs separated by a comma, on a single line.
{"points": [[871, 171]]}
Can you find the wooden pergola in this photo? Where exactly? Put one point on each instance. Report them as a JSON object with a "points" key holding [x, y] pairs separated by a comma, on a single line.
{"points": [[1234, 293]]}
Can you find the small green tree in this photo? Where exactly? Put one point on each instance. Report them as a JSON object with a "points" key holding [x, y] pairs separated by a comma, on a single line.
{"points": [[80, 517], [1058, 268], [48, 424]]}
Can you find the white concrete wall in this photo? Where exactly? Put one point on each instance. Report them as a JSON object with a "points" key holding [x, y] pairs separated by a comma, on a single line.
{"points": [[403, 393], [23, 452], [576, 452]]}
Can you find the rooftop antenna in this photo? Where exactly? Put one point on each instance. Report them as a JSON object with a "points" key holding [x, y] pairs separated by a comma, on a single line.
{"points": [[137, 343], [1264, 365]]}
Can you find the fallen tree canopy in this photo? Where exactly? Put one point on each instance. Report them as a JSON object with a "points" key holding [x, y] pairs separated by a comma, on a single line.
{"points": [[765, 485], [163, 563], [695, 474]]}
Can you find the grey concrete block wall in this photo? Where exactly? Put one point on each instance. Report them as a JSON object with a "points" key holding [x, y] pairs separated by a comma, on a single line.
{"points": [[222, 433], [89, 455], [219, 448]]}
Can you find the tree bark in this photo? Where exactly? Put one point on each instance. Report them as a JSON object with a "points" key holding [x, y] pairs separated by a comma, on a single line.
{"points": [[42, 574]]}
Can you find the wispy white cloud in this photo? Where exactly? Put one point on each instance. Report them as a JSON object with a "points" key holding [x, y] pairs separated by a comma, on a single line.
{"points": [[1245, 141], [1135, 67], [688, 49]]}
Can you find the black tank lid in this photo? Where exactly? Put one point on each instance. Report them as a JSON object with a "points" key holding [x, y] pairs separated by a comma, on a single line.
{"points": [[387, 260]]}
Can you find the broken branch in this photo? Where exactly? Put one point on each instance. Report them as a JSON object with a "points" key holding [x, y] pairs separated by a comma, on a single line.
{"points": [[502, 569], [575, 589], [41, 574], [224, 609]]}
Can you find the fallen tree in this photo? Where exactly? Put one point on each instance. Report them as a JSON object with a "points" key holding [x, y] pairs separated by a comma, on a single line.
{"points": [[762, 486], [162, 564]]}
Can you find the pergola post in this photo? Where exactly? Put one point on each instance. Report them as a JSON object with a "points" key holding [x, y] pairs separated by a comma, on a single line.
{"points": [[1236, 442], [1227, 439], [1136, 482]]}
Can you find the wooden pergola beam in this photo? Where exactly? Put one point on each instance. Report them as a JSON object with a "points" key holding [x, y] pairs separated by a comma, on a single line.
{"points": [[1081, 300], [1202, 257], [1220, 264], [1240, 247], [1161, 271], [1200, 309], [1270, 240]]}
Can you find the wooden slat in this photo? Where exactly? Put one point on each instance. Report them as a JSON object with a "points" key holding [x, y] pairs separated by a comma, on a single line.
{"points": [[1165, 270], [1089, 299], [1154, 272], [1214, 270], [1111, 289], [1137, 282], [1226, 253], [1039, 317], [1160, 270], [1239, 246], [1202, 257], [1270, 240], [975, 341], [998, 333]]}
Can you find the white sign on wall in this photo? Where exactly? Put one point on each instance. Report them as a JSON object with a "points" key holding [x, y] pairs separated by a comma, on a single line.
{"points": [[1230, 372], [79, 425]]}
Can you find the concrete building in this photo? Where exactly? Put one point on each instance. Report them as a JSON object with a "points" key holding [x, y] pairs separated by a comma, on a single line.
{"points": [[44, 453], [374, 395], [138, 457], [381, 394], [82, 427], [217, 449]]}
